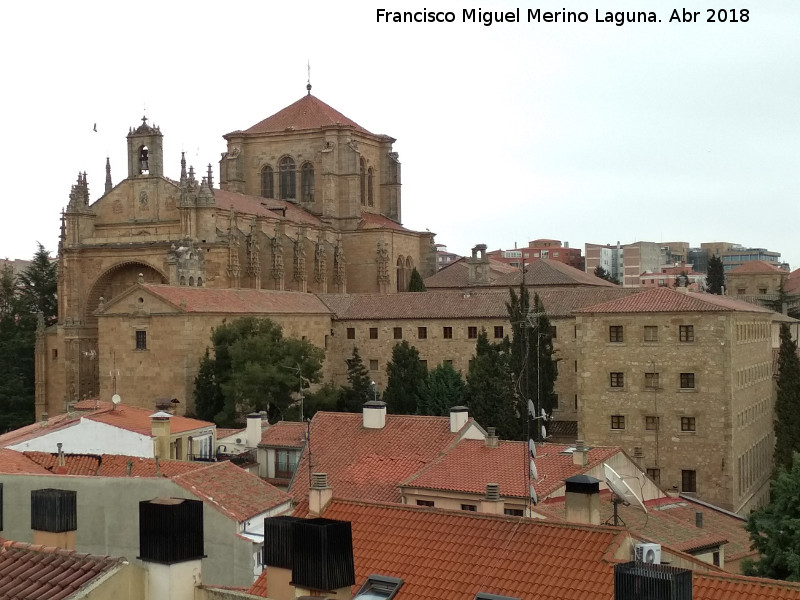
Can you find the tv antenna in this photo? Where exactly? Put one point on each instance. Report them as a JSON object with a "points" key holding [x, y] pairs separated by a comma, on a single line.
{"points": [[623, 494]]}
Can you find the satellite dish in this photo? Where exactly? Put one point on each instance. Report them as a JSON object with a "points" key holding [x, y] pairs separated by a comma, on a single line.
{"points": [[532, 448], [534, 497], [531, 408], [116, 399], [621, 489], [544, 432], [534, 471]]}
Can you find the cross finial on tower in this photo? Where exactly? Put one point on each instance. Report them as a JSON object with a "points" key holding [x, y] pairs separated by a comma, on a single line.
{"points": [[144, 120], [308, 84]]}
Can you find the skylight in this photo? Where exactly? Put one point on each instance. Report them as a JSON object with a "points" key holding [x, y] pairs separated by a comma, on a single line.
{"points": [[379, 587]]}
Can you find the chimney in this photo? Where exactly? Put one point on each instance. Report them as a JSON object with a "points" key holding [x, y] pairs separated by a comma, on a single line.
{"points": [[322, 558], [320, 493], [160, 429], [253, 432], [492, 503], [278, 547], [636, 579], [459, 415], [492, 441], [54, 517], [582, 499], [374, 414], [171, 546], [580, 456], [478, 265], [61, 465], [698, 519]]}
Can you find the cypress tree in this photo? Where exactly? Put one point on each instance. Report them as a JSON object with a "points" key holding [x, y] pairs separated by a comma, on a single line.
{"points": [[489, 388], [415, 284], [715, 280], [787, 402], [405, 388]]}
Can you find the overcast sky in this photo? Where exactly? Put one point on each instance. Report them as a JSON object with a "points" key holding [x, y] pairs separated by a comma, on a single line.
{"points": [[584, 132]]}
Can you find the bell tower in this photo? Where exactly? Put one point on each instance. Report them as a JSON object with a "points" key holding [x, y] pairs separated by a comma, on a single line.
{"points": [[145, 151]]}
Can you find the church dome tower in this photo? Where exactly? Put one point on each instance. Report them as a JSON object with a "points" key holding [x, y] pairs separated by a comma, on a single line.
{"points": [[145, 151]]}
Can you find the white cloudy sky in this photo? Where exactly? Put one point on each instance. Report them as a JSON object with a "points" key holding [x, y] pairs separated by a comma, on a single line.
{"points": [[581, 132]]}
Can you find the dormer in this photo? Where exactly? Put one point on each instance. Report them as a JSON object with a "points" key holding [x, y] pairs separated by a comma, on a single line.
{"points": [[145, 151]]}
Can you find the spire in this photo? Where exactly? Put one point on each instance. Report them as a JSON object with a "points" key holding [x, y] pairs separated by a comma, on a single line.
{"points": [[183, 166], [109, 185], [210, 177], [308, 84]]}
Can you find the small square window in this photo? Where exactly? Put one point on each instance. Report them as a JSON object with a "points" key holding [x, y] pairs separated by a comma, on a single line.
{"points": [[351, 333], [650, 333], [498, 332], [655, 475], [688, 481], [472, 333], [762, 290], [617, 421], [424, 502], [514, 512], [651, 423], [398, 333], [447, 333], [687, 333], [424, 363], [553, 331], [615, 333], [448, 361], [651, 381], [688, 424], [373, 364], [54, 353], [469, 507], [373, 333], [141, 340], [617, 380], [741, 291], [555, 401], [422, 333], [687, 381]]}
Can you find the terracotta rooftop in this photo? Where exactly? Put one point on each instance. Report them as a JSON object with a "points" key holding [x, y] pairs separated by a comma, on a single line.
{"points": [[13, 462], [225, 432], [138, 420], [265, 207], [307, 113], [755, 266], [111, 465], [285, 434], [374, 221], [663, 299], [470, 465], [28, 571], [792, 283], [370, 463], [34, 430], [242, 301], [91, 404]]}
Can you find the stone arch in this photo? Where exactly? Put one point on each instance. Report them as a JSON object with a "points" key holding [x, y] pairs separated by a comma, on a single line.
{"points": [[116, 280], [401, 274]]}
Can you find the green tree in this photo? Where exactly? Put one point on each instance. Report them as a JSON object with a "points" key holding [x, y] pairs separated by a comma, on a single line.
{"points": [[327, 397], [787, 401], [208, 398], [715, 279], [489, 388], [775, 529], [415, 284], [38, 284], [256, 368], [785, 302], [360, 389], [682, 280], [444, 389], [405, 388], [600, 272]]}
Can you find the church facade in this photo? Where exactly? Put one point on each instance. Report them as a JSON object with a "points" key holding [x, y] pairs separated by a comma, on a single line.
{"points": [[308, 201]]}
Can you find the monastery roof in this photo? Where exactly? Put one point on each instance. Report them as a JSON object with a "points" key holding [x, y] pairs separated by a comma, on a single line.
{"points": [[371, 463], [133, 418], [29, 571], [374, 221], [792, 283], [265, 207], [242, 301], [470, 465], [285, 434], [663, 299], [755, 266], [309, 112]]}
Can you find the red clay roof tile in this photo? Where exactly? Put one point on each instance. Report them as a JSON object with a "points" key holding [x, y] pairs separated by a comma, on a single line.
{"points": [[307, 113], [755, 266], [265, 207], [664, 299], [285, 434], [12, 462], [138, 420]]}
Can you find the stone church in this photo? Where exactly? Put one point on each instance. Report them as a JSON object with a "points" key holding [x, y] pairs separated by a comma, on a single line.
{"points": [[308, 201]]}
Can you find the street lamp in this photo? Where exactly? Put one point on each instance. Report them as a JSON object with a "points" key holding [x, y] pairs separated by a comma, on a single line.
{"points": [[374, 391]]}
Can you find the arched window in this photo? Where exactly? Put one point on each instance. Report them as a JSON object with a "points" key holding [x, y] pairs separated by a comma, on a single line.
{"points": [[199, 282], [370, 191], [307, 182], [267, 182], [401, 274], [363, 176], [287, 174], [183, 280], [191, 281], [144, 163]]}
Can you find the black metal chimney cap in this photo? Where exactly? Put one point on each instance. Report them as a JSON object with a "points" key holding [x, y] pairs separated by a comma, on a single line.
{"points": [[582, 484]]}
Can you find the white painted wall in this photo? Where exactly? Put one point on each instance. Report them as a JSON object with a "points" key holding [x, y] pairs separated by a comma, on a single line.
{"points": [[91, 437]]}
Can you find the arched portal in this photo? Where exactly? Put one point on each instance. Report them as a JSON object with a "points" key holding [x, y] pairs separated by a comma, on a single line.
{"points": [[116, 280]]}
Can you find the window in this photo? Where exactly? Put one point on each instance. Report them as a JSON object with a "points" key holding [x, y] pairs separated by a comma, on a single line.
{"points": [[287, 179], [54, 353], [762, 290], [555, 401], [379, 587], [615, 333], [307, 182], [424, 363], [424, 502], [687, 381], [650, 333], [373, 364], [617, 380], [398, 333], [363, 181], [651, 381], [655, 475], [472, 333], [448, 361], [514, 512], [617, 421], [688, 424], [688, 481], [553, 331], [651, 423], [373, 333], [447, 333], [285, 463], [687, 333], [267, 182], [741, 291], [498, 332], [715, 558], [351, 333], [469, 507], [370, 193], [141, 340]]}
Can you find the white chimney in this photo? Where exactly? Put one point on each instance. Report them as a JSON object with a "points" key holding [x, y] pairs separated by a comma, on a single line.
{"points": [[459, 415], [319, 494], [374, 414], [253, 433], [582, 500], [580, 456], [492, 502]]}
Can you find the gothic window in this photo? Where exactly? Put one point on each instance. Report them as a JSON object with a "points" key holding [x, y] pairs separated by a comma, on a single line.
{"points": [[267, 182], [287, 167], [191, 281], [370, 190], [307, 182], [401, 274], [363, 178], [199, 282]]}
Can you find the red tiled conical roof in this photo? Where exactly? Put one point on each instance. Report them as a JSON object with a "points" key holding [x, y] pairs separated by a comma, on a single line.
{"points": [[307, 113]]}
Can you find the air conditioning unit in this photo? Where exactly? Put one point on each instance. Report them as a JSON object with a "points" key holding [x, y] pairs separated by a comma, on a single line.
{"points": [[647, 553]]}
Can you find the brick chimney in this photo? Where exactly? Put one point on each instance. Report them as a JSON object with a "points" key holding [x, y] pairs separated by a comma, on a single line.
{"points": [[459, 415], [580, 456], [582, 499], [54, 517], [492, 441], [319, 494], [492, 503], [160, 430], [374, 414], [478, 265]]}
